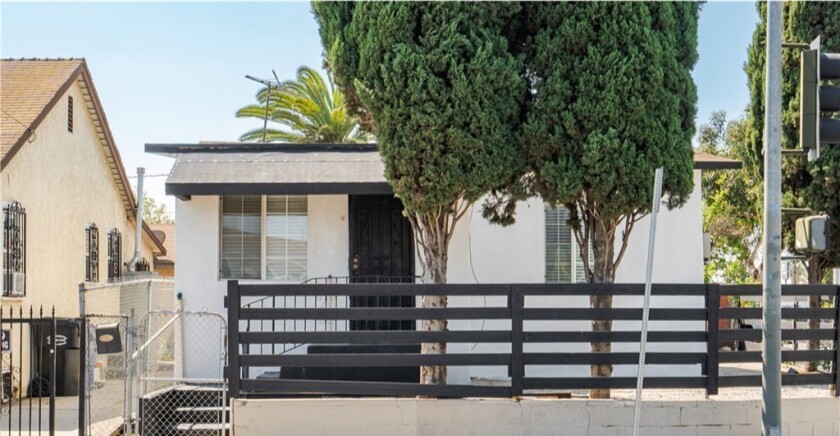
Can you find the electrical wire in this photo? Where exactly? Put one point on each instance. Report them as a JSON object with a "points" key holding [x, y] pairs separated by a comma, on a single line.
{"points": [[29, 129]]}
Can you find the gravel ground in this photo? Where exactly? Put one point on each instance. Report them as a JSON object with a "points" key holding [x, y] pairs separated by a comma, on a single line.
{"points": [[724, 394]]}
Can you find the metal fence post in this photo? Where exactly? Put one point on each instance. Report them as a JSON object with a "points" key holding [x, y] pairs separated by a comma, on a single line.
{"points": [[129, 336], [712, 342], [233, 369], [836, 342], [53, 357], [516, 304], [83, 372], [83, 362]]}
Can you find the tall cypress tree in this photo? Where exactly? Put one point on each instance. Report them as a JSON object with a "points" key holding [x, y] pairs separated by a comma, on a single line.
{"points": [[613, 99], [446, 91]]}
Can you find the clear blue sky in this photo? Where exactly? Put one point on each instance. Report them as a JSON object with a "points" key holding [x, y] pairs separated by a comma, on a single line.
{"points": [[174, 72]]}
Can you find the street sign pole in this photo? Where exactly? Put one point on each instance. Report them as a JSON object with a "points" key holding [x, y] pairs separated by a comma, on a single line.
{"points": [[771, 377]]}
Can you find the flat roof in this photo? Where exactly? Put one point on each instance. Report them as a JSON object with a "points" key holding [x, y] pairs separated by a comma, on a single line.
{"points": [[236, 168]]}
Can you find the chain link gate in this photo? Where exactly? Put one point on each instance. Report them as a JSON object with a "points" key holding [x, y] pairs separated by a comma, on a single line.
{"points": [[113, 312], [108, 381], [181, 386]]}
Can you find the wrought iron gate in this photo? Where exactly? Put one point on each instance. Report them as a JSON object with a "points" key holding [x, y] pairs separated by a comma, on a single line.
{"points": [[40, 366]]}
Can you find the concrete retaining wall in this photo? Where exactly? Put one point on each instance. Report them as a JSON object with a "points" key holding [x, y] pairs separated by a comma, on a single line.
{"points": [[369, 417]]}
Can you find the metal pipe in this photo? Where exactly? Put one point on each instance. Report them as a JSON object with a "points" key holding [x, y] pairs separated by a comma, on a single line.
{"points": [[127, 400], [138, 234], [155, 336], [771, 377], [654, 210]]}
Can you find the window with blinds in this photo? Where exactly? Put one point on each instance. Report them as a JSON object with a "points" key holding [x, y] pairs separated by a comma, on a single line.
{"points": [[264, 237], [563, 261], [286, 232], [241, 237]]}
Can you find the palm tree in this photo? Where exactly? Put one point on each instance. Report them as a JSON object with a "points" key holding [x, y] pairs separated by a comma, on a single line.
{"points": [[310, 108]]}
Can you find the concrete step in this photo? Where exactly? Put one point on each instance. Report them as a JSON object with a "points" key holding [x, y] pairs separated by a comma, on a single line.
{"points": [[202, 429], [201, 415]]}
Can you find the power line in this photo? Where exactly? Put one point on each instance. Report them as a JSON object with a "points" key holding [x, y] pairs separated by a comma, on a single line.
{"points": [[29, 129]]}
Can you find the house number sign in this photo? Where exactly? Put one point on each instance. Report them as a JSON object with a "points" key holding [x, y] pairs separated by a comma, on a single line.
{"points": [[5, 340]]}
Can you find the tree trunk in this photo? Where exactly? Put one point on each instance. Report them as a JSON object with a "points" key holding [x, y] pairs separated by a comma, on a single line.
{"points": [[435, 272], [603, 271], [432, 233], [815, 274]]}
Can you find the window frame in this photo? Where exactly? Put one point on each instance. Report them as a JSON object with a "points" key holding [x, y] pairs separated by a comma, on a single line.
{"points": [[263, 239], [575, 260], [13, 211], [92, 253], [114, 254]]}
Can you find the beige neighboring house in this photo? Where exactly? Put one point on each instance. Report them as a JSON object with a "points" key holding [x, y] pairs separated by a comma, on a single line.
{"points": [[67, 202], [165, 265]]}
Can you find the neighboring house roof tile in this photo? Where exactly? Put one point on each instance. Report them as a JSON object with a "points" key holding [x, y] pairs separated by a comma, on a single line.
{"points": [[30, 88], [708, 161]]}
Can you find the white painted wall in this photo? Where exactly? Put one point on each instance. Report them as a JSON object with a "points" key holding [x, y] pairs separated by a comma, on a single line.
{"points": [[480, 252], [526, 416]]}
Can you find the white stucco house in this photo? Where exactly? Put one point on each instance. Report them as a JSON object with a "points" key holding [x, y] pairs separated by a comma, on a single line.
{"points": [[288, 213]]}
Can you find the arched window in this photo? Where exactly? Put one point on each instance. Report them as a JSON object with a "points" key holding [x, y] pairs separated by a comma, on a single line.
{"points": [[114, 255], [92, 257]]}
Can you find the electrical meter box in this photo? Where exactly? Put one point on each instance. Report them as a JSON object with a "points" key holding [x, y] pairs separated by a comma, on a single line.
{"points": [[812, 234]]}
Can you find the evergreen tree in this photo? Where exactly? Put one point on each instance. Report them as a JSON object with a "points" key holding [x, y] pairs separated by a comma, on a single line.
{"points": [[445, 91], [803, 184], [613, 99]]}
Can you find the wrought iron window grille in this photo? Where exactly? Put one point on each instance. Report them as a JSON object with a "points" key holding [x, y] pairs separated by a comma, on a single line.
{"points": [[114, 255], [92, 255], [14, 250]]}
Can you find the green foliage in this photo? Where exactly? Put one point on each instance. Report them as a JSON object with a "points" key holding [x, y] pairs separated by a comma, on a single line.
{"points": [[154, 213], [310, 109], [611, 103], [731, 203], [804, 21], [443, 87]]}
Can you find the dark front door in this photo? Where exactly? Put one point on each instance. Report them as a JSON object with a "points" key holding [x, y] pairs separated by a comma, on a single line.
{"points": [[381, 251]]}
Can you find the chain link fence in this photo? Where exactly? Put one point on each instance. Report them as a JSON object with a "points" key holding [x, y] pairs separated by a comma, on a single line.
{"points": [[113, 313], [181, 365]]}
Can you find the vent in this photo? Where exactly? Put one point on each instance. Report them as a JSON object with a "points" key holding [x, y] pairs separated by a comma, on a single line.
{"points": [[70, 114]]}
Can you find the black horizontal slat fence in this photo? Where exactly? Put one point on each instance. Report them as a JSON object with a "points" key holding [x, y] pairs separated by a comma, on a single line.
{"points": [[522, 337]]}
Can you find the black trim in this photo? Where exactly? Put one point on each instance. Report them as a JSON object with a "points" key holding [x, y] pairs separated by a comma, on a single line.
{"points": [[251, 147], [189, 189], [718, 165]]}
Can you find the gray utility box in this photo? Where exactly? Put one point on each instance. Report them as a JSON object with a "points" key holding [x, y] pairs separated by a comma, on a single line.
{"points": [[812, 234]]}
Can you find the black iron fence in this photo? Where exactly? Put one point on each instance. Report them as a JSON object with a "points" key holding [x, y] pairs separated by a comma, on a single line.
{"points": [[40, 361], [530, 330]]}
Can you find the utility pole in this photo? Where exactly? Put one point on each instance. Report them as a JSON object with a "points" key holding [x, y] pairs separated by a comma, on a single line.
{"points": [[771, 376]]}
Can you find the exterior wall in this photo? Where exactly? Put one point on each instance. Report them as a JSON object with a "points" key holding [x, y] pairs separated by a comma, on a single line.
{"points": [[64, 182], [165, 269], [528, 416], [197, 247], [480, 252]]}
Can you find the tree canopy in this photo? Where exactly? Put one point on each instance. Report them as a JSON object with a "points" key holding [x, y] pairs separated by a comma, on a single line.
{"points": [[446, 94], [309, 108], [575, 102], [803, 184], [732, 203]]}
